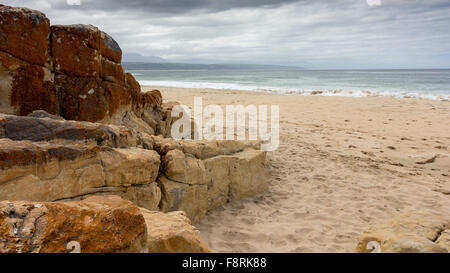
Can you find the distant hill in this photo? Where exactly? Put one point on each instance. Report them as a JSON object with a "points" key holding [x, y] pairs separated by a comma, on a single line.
{"points": [[138, 58], [183, 66]]}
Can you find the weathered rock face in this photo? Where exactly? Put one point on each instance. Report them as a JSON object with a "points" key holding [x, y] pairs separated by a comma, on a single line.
{"points": [[47, 159], [73, 71], [98, 224], [409, 233], [26, 78], [201, 176], [38, 171], [55, 82], [88, 74], [172, 233], [48, 128]]}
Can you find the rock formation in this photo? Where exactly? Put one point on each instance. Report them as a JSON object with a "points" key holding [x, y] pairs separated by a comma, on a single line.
{"points": [[414, 232], [98, 224], [74, 124], [172, 233], [72, 71], [47, 159], [200, 176], [95, 225]]}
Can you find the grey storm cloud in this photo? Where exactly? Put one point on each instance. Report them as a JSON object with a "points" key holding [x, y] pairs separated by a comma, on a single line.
{"points": [[172, 6], [307, 33]]}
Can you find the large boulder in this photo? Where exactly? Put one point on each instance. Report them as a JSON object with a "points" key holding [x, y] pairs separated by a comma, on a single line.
{"points": [[414, 232], [98, 224], [172, 233], [24, 34], [73, 71], [26, 78]]}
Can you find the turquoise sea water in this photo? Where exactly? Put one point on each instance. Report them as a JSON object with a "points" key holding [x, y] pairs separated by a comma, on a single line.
{"points": [[429, 84]]}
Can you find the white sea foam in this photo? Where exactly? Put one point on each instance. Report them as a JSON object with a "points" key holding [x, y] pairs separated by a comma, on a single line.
{"points": [[297, 91]]}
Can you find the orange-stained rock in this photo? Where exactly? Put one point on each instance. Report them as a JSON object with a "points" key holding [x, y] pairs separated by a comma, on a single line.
{"points": [[109, 48], [135, 90], [118, 99], [75, 50], [26, 80], [172, 233], [73, 71], [24, 34], [151, 99], [25, 87], [26, 153], [112, 72], [99, 224], [81, 98]]}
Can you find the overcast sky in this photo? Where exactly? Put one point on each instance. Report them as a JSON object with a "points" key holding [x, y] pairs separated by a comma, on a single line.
{"points": [[306, 33]]}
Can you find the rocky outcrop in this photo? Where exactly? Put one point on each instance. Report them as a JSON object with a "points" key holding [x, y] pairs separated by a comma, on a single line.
{"points": [[39, 171], [172, 233], [414, 232], [96, 225], [44, 158], [72, 71], [73, 125], [200, 176]]}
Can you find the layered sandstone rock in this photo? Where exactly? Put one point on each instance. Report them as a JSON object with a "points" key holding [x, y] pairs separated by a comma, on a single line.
{"points": [[106, 224], [40, 171], [172, 233], [200, 176], [48, 159], [73, 124], [409, 233]]}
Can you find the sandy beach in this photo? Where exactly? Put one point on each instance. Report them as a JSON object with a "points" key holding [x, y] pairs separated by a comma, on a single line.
{"points": [[343, 165]]}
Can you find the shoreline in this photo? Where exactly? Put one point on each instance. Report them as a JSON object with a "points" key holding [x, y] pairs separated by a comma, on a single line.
{"points": [[320, 93], [344, 164]]}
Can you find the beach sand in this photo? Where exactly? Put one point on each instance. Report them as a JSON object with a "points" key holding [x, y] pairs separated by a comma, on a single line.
{"points": [[343, 165]]}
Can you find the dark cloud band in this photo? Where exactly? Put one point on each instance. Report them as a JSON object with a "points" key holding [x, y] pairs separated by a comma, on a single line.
{"points": [[170, 6]]}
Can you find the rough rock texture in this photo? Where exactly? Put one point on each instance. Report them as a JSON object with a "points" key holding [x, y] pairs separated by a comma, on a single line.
{"points": [[46, 158], [200, 176], [72, 71], [50, 172], [73, 124], [172, 233], [92, 84], [26, 79], [44, 127], [414, 232], [106, 224]]}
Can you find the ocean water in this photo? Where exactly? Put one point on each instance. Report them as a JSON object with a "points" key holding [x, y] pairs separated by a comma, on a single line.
{"points": [[427, 84]]}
